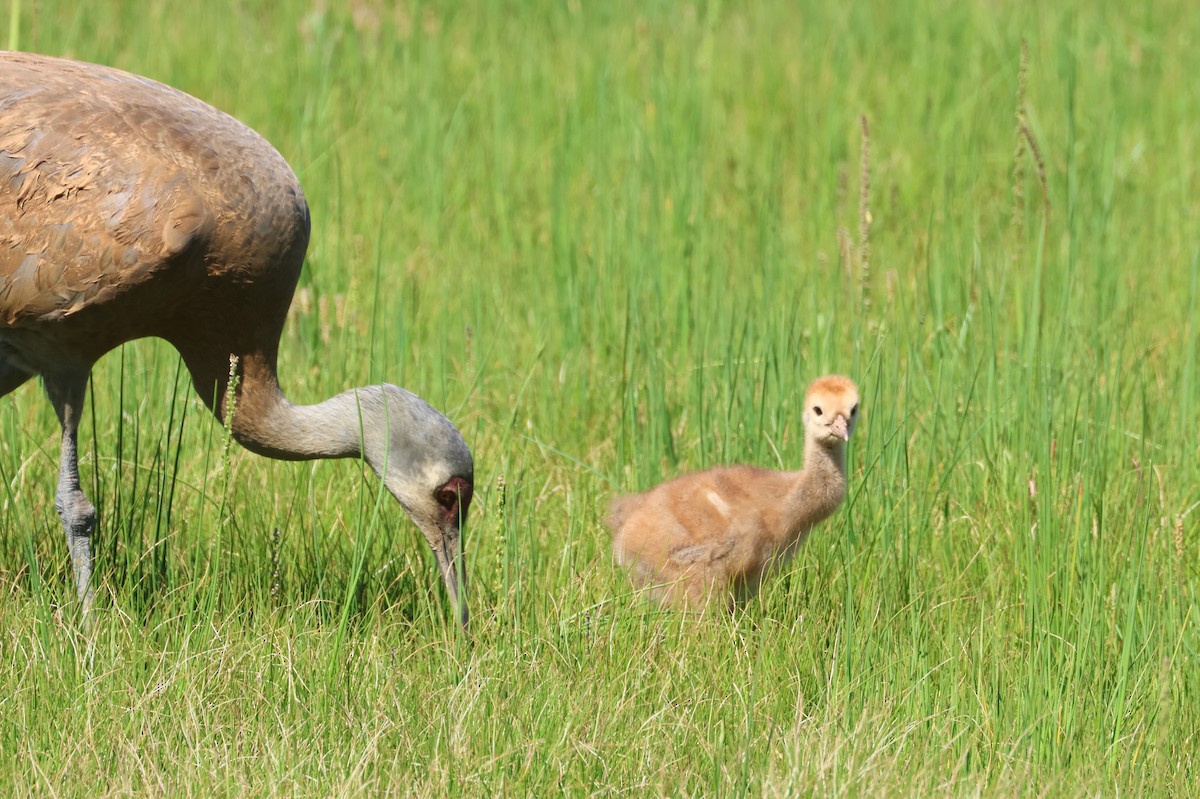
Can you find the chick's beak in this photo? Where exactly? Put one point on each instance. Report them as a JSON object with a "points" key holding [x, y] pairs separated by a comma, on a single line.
{"points": [[840, 426]]}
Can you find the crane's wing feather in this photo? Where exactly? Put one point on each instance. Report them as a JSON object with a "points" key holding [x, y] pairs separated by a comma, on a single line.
{"points": [[93, 199]]}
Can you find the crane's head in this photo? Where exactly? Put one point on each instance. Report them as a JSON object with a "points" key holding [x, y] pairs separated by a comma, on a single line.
{"points": [[830, 410], [427, 467]]}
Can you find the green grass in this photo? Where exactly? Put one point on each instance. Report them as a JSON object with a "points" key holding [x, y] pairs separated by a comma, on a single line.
{"points": [[604, 237]]}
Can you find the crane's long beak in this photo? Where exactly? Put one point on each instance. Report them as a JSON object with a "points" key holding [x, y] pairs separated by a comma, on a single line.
{"points": [[452, 564]]}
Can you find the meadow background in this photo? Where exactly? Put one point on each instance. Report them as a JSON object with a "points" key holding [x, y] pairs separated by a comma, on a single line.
{"points": [[614, 241]]}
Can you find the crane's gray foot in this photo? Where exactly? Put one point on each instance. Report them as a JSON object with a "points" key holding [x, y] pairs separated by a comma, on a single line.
{"points": [[74, 508], [79, 519]]}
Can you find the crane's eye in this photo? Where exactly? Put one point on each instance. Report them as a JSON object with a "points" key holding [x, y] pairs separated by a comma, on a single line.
{"points": [[455, 495], [817, 410]]}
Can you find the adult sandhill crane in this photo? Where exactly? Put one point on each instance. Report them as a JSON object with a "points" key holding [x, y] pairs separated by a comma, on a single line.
{"points": [[709, 537], [130, 209]]}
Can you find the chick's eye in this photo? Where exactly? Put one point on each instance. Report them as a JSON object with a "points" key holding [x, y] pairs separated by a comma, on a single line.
{"points": [[854, 410], [817, 410]]}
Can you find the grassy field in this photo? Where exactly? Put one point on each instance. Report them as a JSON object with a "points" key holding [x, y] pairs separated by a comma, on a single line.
{"points": [[614, 241]]}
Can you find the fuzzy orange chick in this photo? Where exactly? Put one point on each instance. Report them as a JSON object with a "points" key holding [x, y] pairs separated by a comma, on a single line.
{"points": [[709, 537]]}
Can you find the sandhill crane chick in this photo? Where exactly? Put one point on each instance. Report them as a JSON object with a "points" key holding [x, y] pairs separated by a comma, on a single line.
{"points": [[130, 209], [710, 536]]}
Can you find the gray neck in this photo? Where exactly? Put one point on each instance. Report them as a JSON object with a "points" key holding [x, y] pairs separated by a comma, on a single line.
{"points": [[401, 436], [405, 440], [335, 428]]}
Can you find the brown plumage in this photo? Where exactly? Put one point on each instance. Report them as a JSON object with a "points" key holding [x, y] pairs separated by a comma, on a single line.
{"points": [[709, 537], [130, 209]]}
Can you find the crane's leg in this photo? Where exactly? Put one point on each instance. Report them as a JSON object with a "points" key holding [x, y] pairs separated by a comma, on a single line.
{"points": [[66, 393]]}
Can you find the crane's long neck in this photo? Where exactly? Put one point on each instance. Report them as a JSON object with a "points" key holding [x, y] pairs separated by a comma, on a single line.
{"points": [[410, 445], [266, 423], [819, 490]]}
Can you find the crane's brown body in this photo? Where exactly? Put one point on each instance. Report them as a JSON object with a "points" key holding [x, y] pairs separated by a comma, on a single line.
{"points": [[130, 209], [710, 537]]}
